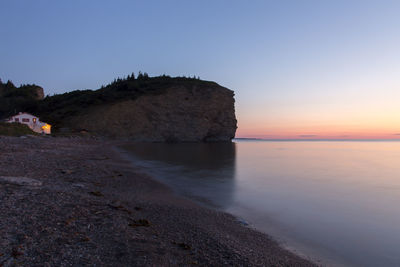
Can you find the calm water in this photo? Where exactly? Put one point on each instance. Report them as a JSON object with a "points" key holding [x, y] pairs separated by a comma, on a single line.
{"points": [[334, 201]]}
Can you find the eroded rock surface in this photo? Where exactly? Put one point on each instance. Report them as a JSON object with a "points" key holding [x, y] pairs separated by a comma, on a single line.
{"points": [[178, 114]]}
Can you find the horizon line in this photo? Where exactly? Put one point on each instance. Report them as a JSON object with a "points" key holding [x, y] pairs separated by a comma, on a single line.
{"points": [[316, 139]]}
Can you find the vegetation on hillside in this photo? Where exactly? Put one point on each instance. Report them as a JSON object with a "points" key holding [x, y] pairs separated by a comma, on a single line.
{"points": [[54, 109], [14, 99], [15, 129]]}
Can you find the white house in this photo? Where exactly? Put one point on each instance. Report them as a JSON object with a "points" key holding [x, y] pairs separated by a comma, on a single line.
{"points": [[33, 122]]}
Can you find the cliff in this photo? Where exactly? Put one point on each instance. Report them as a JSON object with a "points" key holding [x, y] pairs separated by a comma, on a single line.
{"points": [[158, 109], [179, 114], [22, 98]]}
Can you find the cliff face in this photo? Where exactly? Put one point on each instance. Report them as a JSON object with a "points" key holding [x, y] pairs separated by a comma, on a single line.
{"points": [[193, 113], [15, 99], [39, 92]]}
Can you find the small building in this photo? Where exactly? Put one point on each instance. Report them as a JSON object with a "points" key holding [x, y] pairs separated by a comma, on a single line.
{"points": [[33, 122]]}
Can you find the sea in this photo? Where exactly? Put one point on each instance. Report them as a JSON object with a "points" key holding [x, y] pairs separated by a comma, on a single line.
{"points": [[336, 202]]}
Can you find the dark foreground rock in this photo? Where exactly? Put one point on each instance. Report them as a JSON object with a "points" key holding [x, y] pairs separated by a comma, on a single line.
{"points": [[80, 204]]}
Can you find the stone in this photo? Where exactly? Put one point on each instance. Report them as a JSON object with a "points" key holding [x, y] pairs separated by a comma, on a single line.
{"points": [[39, 93], [78, 185], [23, 181]]}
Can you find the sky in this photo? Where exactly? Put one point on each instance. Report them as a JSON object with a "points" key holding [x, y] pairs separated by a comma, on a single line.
{"points": [[300, 69]]}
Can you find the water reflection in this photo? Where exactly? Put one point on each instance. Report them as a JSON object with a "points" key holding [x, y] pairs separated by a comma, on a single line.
{"points": [[199, 171], [337, 201]]}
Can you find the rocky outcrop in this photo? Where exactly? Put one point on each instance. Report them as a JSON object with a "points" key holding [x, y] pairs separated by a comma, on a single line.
{"points": [[18, 99], [39, 92], [193, 113]]}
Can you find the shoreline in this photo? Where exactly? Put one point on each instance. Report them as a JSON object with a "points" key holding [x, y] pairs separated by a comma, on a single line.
{"points": [[284, 241], [94, 207]]}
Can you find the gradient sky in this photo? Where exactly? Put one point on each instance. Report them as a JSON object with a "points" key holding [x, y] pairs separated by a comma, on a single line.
{"points": [[300, 69]]}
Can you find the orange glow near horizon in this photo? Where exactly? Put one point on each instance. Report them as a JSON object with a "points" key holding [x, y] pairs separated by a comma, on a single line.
{"points": [[375, 126], [315, 135], [353, 107]]}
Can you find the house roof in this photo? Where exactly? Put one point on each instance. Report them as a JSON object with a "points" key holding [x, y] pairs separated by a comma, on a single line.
{"points": [[22, 113]]}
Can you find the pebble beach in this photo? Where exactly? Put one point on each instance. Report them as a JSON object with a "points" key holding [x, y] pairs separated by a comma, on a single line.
{"points": [[78, 202]]}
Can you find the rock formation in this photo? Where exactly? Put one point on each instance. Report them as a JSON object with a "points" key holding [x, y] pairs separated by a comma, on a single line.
{"points": [[180, 113], [39, 92], [142, 108]]}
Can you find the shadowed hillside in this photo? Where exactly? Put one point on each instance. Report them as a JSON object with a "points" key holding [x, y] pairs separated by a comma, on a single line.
{"points": [[14, 99], [57, 108], [15, 129], [142, 108]]}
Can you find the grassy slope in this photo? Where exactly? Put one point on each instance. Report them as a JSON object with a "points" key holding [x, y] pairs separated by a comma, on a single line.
{"points": [[15, 129]]}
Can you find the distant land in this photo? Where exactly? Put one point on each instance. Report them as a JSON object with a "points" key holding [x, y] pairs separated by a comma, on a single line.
{"points": [[311, 140], [142, 108]]}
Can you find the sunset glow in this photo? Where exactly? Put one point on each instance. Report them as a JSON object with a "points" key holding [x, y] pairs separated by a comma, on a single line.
{"points": [[335, 128], [299, 69]]}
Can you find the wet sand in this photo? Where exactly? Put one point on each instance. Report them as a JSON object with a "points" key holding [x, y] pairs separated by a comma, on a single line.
{"points": [[84, 204]]}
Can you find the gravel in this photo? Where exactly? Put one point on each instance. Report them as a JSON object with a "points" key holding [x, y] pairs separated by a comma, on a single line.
{"points": [[77, 202]]}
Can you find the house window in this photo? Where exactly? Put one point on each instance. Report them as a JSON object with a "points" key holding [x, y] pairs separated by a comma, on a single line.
{"points": [[25, 120], [17, 119]]}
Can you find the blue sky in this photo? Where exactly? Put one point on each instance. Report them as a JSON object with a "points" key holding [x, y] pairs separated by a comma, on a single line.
{"points": [[297, 67]]}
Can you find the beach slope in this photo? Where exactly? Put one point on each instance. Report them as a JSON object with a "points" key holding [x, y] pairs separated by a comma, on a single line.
{"points": [[74, 201]]}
